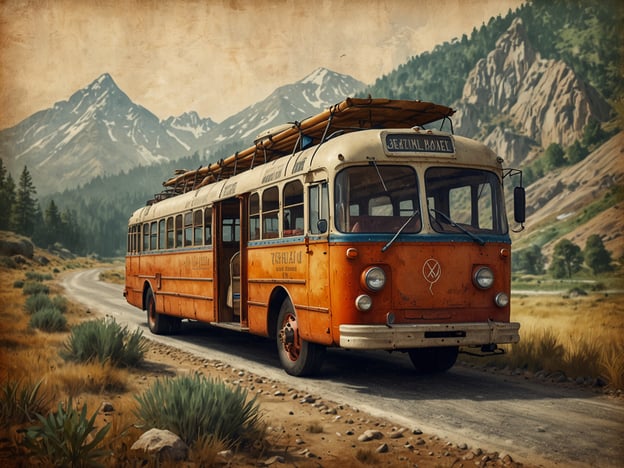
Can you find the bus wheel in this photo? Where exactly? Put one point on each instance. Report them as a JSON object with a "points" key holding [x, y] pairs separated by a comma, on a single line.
{"points": [[298, 356], [432, 360], [159, 324]]}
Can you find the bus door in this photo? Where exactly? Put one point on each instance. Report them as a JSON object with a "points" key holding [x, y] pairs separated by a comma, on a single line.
{"points": [[230, 264], [319, 322]]}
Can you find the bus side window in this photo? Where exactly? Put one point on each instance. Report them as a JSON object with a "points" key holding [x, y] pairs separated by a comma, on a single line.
{"points": [[170, 243], [270, 213], [318, 201], [161, 234], [293, 209], [153, 235], [198, 227], [188, 228], [178, 231], [208, 226], [145, 237], [254, 216]]}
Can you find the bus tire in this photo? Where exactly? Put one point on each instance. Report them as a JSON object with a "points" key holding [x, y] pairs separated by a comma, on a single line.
{"points": [[159, 324], [433, 360], [297, 356]]}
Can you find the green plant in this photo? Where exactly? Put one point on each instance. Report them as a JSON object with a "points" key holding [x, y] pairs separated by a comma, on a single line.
{"points": [[49, 319], [37, 302], [18, 284], [20, 401], [67, 438], [31, 288], [36, 276], [104, 341], [194, 407]]}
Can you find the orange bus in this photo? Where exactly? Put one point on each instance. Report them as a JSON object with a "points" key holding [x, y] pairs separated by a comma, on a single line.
{"points": [[357, 228]]}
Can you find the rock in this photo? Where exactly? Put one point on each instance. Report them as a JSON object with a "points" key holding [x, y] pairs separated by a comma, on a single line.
{"points": [[272, 460], [107, 407], [165, 444], [23, 247], [383, 448], [370, 435]]}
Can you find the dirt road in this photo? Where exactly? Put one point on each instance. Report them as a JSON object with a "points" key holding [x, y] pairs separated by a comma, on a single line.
{"points": [[552, 425]]}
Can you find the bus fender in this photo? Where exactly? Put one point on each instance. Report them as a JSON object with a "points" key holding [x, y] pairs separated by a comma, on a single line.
{"points": [[278, 295]]}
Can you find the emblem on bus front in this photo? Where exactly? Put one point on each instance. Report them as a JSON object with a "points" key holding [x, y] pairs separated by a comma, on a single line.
{"points": [[432, 271]]}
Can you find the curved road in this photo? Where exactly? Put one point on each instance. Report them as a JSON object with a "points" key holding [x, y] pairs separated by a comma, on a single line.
{"points": [[541, 424]]}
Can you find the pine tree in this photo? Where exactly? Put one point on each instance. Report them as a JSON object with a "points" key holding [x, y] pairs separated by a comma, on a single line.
{"points": [[597, 257], [53, 223], [7, 196], [25, 209]]}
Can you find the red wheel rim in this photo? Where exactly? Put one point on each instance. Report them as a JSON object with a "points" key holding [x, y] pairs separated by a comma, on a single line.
{"points": [[292, 347]]}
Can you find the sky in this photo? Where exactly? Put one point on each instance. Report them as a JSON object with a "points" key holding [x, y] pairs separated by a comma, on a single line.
{"points": [[215, 57]]}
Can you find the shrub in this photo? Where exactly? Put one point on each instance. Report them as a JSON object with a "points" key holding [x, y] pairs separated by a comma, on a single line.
{"points": [[104, 341], [67, 438], [49, 319], [7, 262], [35, 276], [37, 302], [21, 401], [18, 284], [194, 407], [60, 303], [31, 288]]}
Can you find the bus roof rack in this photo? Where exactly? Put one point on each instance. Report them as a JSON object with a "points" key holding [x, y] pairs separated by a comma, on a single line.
{"points": [[350, 115]]}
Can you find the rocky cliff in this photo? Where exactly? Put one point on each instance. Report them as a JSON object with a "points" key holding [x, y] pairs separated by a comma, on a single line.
{"points": [[520, 103]]}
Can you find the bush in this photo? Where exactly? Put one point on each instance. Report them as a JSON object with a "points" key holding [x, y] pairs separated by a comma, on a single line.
{"points": [[21, 401], [104, 341], [49, 319], [35, 276], [37, 302], [194, 407], [31, 288], [60, 303], [67, 438], [18, 284], [7, 262]]}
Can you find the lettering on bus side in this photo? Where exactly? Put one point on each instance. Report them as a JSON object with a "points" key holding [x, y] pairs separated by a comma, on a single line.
{"points": [[196, 262], [287, 262], [417, 143]]}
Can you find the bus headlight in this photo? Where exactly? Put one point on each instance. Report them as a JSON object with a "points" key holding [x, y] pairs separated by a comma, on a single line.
{"points": [[501, 299], [363, 302], [483, 278], [374, 279]]}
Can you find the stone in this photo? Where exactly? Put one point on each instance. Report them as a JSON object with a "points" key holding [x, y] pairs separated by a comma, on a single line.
{"points": [[163, 443], [383, 448]]}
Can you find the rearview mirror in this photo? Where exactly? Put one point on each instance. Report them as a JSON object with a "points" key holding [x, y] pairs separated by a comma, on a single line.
{"points": [[519, 205]]}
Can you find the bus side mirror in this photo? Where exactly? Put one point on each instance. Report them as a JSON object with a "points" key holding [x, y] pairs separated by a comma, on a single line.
{"points": [[519, 205], [322, 226]]}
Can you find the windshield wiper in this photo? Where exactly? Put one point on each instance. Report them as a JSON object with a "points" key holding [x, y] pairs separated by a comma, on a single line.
{"points": [[391, 241], [474, 237]]}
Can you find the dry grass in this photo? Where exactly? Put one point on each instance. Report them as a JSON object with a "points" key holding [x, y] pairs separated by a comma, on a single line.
{"points": [[581, 336]]}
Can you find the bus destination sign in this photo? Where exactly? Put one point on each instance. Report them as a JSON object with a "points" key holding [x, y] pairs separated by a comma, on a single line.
{"points": [[418, 143]]}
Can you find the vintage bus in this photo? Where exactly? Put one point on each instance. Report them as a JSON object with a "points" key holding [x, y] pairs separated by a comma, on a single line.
{"points": [[358, 228]]}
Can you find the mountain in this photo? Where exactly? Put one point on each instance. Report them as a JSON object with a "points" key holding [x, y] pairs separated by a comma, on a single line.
{"points": [[100, 131], [314, 93], [97, 131]]}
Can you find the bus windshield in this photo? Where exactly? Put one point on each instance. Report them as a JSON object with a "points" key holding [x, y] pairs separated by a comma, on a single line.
{"points": [[464, 200], [377, 199]]}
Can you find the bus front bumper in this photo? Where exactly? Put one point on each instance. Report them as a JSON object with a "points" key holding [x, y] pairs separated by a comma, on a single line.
{"points": [[406, 336]]}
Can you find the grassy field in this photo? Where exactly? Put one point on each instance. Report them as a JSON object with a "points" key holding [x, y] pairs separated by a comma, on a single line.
{"points": [[573, 328]]}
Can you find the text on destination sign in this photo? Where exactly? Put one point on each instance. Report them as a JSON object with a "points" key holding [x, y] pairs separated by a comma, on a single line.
{"points": [[417, 143]]}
